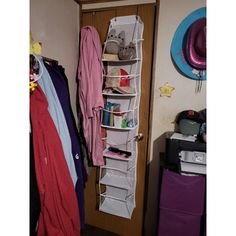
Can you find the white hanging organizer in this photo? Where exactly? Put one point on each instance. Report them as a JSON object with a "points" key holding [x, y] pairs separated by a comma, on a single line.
{"points": [[122, 59]]}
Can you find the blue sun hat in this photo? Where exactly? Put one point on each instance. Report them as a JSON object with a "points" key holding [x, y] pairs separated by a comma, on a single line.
{"points": [[188, 47]]}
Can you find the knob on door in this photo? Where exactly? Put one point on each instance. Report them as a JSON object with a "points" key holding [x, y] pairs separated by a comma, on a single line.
{"points": [[139, 137]]}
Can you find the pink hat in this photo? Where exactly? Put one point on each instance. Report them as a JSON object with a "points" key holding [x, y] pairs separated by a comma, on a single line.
{"points": [[196, 44], [188, 47]]}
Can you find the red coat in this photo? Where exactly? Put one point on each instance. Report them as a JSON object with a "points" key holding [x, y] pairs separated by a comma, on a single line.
{"points": [[59, 214]]}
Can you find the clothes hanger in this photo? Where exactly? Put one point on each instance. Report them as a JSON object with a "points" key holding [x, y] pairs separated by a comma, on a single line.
{"points": [[34, 59], [50, 60]]}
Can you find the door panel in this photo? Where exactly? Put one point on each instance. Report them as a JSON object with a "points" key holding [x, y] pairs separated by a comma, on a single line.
{"points": [[128, 10], [100, 20]]}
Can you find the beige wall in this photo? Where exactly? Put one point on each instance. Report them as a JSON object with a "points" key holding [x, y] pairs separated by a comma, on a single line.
{"points": [[55, 24], [184, 96], [165, 109]]}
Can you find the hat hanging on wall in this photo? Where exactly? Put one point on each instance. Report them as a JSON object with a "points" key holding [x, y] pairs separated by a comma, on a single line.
{"points": [[188, 47]]}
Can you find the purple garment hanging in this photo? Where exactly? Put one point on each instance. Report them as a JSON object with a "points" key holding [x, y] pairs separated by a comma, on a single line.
{"points": [[181, 204], [62, 90]]}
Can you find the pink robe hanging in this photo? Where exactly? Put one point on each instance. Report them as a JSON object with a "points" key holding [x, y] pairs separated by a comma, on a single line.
{"points": [[90, 91]]}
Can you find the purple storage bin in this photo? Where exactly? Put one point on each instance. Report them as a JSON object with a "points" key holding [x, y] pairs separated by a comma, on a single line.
{"points": [[173, 223], [183, 193], [181, 204]]}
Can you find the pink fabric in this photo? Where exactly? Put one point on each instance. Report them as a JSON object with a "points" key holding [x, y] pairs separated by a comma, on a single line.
{"points": [[90, 91]]}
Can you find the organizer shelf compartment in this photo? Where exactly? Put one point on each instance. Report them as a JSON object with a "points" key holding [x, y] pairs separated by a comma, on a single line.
{"points": [[120, 113], [136, 44], [114, 198], [116, 207], [114, 180], [129, 88], [108, 154], [130, 67], [121, 139], [120, 116], [116, 177], [119, 163], [117, 193]]}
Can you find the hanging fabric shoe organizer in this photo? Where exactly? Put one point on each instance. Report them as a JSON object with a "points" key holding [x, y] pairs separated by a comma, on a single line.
{"points": [[122, 59]]}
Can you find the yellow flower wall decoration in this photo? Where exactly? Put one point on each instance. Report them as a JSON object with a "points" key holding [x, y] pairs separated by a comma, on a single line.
{"points": [[35, 48], [166, 90]]}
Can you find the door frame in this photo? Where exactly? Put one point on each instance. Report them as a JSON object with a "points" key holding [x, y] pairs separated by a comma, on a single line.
{"points": [[86, 6]]}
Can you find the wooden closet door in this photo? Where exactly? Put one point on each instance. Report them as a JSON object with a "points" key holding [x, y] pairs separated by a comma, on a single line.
{"points": [[100, 19]]}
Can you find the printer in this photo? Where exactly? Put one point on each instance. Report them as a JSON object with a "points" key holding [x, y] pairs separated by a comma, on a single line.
{"points": [[185, 154]]}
